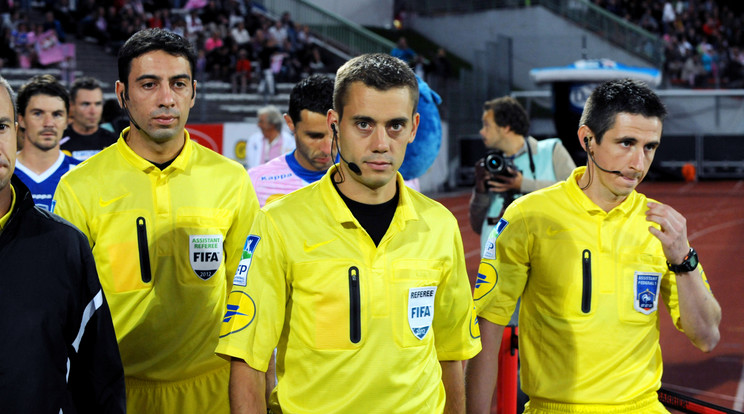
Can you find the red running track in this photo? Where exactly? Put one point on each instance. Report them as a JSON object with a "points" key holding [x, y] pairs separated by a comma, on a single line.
{"points": [[715, 226]]}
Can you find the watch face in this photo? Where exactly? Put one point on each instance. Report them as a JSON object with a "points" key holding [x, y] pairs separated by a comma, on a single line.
{"points": [[692, 261]]}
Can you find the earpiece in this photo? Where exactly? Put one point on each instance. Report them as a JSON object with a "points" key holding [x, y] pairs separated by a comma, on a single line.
{"points": [[333, 128]]}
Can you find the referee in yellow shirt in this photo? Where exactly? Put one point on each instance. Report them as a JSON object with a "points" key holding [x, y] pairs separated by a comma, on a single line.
{"points": [[357, 280], [592, 259], [166, 219]]}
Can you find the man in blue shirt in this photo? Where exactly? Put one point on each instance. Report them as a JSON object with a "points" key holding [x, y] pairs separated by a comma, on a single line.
{"points": [[43, 104]]}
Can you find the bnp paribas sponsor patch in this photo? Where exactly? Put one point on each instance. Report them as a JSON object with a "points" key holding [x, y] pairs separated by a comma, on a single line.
{"points": [[241, 274], [205, 254], [646, 288], [421, 309]]}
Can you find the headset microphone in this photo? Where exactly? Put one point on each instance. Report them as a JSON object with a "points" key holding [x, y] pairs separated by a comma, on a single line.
{"points": [[124, 104], [352, 166], [591, 155]]}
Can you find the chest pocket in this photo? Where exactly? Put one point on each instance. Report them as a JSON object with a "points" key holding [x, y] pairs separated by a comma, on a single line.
{"points": [[640, 287], [329, 304], [409, 311], [121, 250], [199, 236]]}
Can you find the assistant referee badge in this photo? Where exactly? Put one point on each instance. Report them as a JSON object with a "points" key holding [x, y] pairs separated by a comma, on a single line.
{"points": [[646, 292], [205, 254]]}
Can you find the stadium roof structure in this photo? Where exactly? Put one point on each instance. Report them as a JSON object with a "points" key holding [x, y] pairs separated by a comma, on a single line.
{"points": [[595, 70]]}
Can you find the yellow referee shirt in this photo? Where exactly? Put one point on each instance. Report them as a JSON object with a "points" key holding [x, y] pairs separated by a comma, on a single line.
{"points": [[166, 245], [359, 328], [590, 282]]}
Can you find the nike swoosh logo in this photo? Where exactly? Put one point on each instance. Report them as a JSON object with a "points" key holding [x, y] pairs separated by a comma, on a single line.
{"points": [[311, 247], [552, 231], [105, 203]]}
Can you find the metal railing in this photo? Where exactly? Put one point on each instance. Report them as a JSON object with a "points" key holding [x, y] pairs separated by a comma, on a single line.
{"points": [[608, 26], [332, 28]]}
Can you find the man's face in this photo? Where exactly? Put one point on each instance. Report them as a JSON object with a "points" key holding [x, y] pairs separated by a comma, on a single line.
{"points": [[86, 109], [161, 94], [45, 120], [8, 130], [313, 139], [374, 132], [629, 147], [264, 125], [492, 134]]}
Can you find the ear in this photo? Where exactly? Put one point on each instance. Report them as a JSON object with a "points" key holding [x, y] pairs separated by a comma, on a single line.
{"points": [[21, 123], [585, 132], [119, 90], [414, 126], [290, 123], [332, 118], [193, 94]]}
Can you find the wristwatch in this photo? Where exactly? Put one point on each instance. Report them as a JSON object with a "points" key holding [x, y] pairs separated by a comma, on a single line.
{"points": [[689, 263]]}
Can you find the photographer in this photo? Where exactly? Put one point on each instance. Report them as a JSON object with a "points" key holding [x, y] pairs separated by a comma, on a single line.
{"points": [[518, 164]]}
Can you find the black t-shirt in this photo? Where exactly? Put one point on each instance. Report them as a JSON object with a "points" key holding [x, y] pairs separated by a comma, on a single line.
{"points": [[83, 147], [375, 218]]}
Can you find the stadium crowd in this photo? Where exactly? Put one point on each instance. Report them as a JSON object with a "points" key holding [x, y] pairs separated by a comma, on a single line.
{"points": [[235, 40], [703, 38]]}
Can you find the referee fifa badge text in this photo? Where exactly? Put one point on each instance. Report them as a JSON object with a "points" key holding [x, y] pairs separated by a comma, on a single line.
{"points": [[421, 309]]}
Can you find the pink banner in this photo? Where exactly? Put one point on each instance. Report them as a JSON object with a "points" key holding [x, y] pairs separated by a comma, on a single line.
{"points": [[48, 48]]}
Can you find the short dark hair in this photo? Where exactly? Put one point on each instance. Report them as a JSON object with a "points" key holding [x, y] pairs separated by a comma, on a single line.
{"points": [[4, 83], [314, 93], [149, 40], [507, 111], [41, 85], [376, 70], [619, 96], [86, 82]]}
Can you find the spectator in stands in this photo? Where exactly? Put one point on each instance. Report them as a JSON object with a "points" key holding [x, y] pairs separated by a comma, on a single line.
{"points": [[316, 64], [270, 61], [8, 55], [278, 32], [43, 104], [309, 102], [65, 14], [242, 72], [84, 138], [213, 42], [271, 141], [194, 26], [403, 52], [240, 35], [51, 23]]}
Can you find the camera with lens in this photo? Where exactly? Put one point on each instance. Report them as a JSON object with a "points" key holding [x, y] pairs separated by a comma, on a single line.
{"points": [[497, 164]]}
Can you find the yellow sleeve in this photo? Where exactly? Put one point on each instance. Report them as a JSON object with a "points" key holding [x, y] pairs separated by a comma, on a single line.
{"points": [[254, 317], [66, 205], [456, 336], [240, 228], [504, 267], [671, 298]]}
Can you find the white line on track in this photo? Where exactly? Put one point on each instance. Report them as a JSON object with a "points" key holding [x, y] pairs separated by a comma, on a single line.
{"points": [[739, 400]]}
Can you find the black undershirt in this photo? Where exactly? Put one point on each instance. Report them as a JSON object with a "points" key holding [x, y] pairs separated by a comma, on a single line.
{"points": [[164, 165], [374, 218]]}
